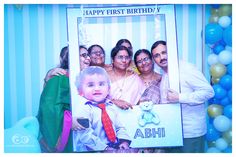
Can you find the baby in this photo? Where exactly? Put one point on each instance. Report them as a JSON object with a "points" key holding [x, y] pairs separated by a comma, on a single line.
{"points": [[105, 131]]}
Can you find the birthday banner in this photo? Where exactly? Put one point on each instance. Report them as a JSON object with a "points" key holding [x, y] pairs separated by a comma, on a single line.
{"points": [[130, 11]]}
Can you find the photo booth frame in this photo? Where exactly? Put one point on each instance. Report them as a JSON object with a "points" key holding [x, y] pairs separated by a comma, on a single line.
{"points": [[170, 114]]}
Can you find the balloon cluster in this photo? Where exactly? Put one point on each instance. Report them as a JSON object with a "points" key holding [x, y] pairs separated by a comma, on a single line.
{"points": [[218, 36]]}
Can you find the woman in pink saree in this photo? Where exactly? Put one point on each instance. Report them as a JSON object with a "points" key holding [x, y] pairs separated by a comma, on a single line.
{"points": [[126, 86]]}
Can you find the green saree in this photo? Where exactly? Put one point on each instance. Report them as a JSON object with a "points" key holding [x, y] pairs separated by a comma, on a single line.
{"points": [[54, 100]]}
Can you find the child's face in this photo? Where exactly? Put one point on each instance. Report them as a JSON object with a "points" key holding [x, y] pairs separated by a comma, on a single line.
{"points": [[95, 88]]}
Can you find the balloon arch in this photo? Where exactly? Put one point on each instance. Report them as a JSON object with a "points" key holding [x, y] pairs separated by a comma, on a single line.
{"points": [[218, 36]]}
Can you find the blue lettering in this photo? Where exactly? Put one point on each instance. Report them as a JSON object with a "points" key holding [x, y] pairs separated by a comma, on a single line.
{"points": [[138, 133], [150, 133]]}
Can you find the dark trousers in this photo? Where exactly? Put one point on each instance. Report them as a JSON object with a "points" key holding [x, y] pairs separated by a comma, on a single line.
{"points": [[191, 145]]}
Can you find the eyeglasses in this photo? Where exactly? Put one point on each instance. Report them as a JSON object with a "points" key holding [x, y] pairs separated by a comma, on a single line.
{"points": [[146, 59], [123, 57], [97, 53], [85, 55]]}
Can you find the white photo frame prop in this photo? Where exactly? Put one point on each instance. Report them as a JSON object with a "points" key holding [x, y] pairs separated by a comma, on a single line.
{"points": [[168, 132]]}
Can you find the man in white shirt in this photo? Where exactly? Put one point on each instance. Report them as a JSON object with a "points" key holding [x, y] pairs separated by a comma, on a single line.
{"points": [[194, 91]]}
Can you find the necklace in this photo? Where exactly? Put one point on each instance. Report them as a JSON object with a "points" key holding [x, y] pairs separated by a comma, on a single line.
{"points": [[119, 87], [148, 80]]}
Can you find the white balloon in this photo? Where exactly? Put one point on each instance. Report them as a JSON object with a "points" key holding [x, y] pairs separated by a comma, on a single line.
{"points": [[229, 48], [221, 144], [212, 59], [225, 57], [222, 123], [213, 150], [224, 21]]}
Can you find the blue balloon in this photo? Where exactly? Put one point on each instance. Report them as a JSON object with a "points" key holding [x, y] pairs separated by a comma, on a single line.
{"points": [[212, 134], [214, 101], [225, 101], [231, 18], [222, 123], [227, 35], [228, 111], [211, 120], [226, 82], [213, 150], [230, 95], [213, 33], [228, 150], [218, 48], [229, 69], [216, 6], [222, 42], [219, 91]]}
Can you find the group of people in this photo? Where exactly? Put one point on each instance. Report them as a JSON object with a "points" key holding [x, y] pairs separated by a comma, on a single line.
{"points": [[124, 83]]}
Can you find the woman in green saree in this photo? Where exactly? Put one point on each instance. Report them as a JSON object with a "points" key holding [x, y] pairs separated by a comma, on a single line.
{"points": [[54, 113]]}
